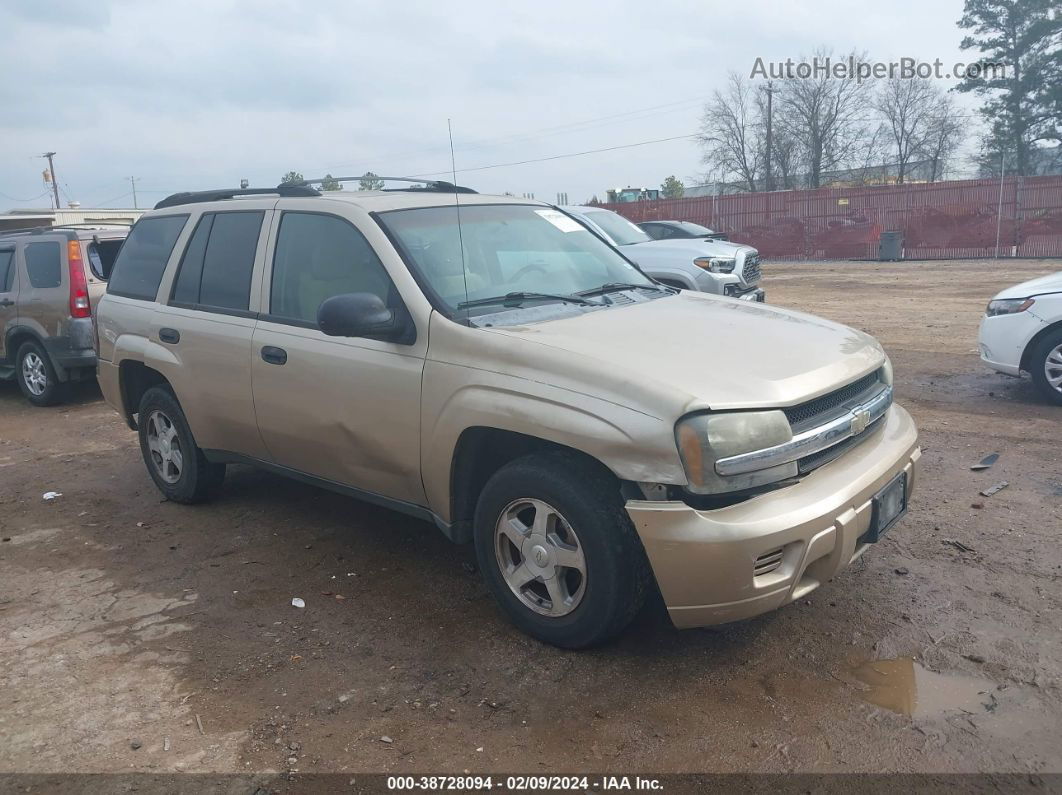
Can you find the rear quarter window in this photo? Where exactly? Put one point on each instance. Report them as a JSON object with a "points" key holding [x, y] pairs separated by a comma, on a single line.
{"points": [[142, 260], [44, 264]]}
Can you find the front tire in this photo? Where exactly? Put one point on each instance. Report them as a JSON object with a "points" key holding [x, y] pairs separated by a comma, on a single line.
{"points": [[558, 551], [1045, 364], [174, 461], [36, 376]]}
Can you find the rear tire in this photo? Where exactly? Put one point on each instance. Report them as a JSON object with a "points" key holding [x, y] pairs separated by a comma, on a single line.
{"points": [[174, 461], [36, 376], [1045, 364], [558, 550]]}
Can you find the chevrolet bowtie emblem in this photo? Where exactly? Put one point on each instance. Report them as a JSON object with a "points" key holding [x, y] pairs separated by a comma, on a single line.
{"points": [[860, 421]]}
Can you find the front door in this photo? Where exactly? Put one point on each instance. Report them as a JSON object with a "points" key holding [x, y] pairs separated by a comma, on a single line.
{"points": [[343, 409], [8, 297]]}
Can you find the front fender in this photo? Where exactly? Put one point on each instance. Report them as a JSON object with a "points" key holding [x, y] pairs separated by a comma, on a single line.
{"points": [[633, 445]]}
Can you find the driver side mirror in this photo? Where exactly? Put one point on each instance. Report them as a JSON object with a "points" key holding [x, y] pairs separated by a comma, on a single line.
{"points": [[362, 315]]}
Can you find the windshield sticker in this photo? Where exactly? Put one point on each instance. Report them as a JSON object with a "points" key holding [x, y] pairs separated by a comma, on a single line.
{"points": [[561, 221]]}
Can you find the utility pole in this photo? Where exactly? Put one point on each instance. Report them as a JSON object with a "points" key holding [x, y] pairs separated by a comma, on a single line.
{"points": [[132, 181], [55, 181], [769, 182]]}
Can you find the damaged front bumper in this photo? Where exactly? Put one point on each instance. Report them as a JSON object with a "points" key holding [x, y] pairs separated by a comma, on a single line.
{"points": [[726, 564]]}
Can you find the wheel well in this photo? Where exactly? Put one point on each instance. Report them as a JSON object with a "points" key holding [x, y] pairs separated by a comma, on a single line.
{"points": [[16, 340], [136, 378], [1025, 354], [480, 452]]}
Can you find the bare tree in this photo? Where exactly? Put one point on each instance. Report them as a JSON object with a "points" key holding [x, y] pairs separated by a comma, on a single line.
{"points": [[908, 107], [731, 132], [826, 116], [943, 138]]}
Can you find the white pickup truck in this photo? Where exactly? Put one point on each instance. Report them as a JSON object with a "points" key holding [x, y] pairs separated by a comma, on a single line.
{"points": [[706, 265]]}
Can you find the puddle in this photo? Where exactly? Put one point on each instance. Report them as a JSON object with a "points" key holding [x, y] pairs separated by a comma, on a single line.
{"points": [[904, 686]]}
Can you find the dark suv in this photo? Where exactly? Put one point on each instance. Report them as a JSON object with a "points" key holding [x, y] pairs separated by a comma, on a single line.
{"points": [[50, 280]]}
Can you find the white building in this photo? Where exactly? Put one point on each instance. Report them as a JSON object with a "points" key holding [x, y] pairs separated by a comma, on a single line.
{"points": [[76, 214]]}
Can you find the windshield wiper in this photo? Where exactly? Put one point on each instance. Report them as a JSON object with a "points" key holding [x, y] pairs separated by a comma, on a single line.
{"points": [[615, 287], [515, 299]]}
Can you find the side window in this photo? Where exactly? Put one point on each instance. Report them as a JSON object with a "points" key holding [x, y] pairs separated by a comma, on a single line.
{"points": [[7, 270], [44, 264], [216, 267], [138, 269], [317, 257]]}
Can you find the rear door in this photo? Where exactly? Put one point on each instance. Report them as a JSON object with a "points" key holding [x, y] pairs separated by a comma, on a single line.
{"points": [[8, 296], [208, 315], [44, 297]]}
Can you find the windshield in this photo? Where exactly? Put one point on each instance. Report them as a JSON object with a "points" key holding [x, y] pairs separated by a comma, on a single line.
{"points": [[694, 229], [508, 248], [622, 231]]}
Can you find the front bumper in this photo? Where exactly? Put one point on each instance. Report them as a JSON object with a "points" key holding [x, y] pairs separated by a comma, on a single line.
{"points": [[704, 560], [752, 294]]}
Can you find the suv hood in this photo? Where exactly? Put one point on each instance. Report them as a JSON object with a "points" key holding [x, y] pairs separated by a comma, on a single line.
{"points": [[695, 351], [1051, 283], [689, 247]]}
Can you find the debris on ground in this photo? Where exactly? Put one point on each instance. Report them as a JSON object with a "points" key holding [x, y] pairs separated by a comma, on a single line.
{"points": [[958, 545], [387, 740], [51, 495], [136, 745], [297, 602], [902, 571], [165, 743], [199, 723], [994, 489], [985, 462], [977, 505]]}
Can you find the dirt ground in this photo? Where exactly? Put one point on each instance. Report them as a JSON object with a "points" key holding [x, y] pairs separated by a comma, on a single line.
{"points": [[141, 635]]}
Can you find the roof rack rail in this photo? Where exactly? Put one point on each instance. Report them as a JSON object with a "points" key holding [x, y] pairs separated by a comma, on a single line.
{"points": [[431, 185], [194, 197]]}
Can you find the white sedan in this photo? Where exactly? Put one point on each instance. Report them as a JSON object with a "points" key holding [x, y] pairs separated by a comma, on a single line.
{"points": [[1022, 332]]}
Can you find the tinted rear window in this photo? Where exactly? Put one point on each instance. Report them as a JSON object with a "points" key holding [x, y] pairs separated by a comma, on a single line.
{"points": [[142, 260], [44, 264], [7, 270], [217, 264], [229, 259]]}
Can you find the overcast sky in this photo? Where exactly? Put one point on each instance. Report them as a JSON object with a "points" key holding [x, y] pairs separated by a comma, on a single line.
{"points": [[201, 93]]}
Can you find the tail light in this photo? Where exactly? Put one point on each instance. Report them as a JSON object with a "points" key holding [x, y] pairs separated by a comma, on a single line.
{"points": [[79, 297]]}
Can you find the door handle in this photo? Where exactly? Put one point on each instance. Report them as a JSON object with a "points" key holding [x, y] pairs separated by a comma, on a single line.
{"points": [[170, 335], [274, 355], [7, 302]]}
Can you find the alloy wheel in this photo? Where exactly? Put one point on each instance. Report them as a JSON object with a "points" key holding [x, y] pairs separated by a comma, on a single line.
{"points": [[540, 557], [164, 445], [34, 374], [1053, 368]]}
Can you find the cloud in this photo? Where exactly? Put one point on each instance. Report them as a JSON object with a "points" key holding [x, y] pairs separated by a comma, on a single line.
{"points": [[203, 92]]}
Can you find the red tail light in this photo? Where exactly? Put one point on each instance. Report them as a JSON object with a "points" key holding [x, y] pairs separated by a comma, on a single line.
{"points": [[79, 297]]}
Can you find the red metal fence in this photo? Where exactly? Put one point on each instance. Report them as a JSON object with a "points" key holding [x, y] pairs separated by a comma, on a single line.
{"points": [[940, 220]]}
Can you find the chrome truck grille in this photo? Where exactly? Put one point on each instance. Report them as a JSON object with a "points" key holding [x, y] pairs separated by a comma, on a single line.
{"points": [[823, 428], [750, 273]]}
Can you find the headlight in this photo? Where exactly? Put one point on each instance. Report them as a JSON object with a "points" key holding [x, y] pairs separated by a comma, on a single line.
{"points": [[1008, 306], [705, 438], [716, 264]]}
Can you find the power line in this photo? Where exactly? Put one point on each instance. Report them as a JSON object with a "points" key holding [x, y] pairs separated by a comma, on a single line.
{"points": [[560, 157], [30, 199]]}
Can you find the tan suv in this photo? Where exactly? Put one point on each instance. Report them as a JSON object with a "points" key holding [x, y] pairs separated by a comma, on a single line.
{"points": [[491, 365], [50, 280]]}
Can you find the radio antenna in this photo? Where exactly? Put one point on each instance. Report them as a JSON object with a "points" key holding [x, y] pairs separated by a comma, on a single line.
{"points": [[457, 207]]}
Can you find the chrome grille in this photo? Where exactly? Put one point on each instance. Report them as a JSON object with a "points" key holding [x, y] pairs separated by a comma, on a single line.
{"points": [[815, 412], [750, 273], [767, 562]]}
